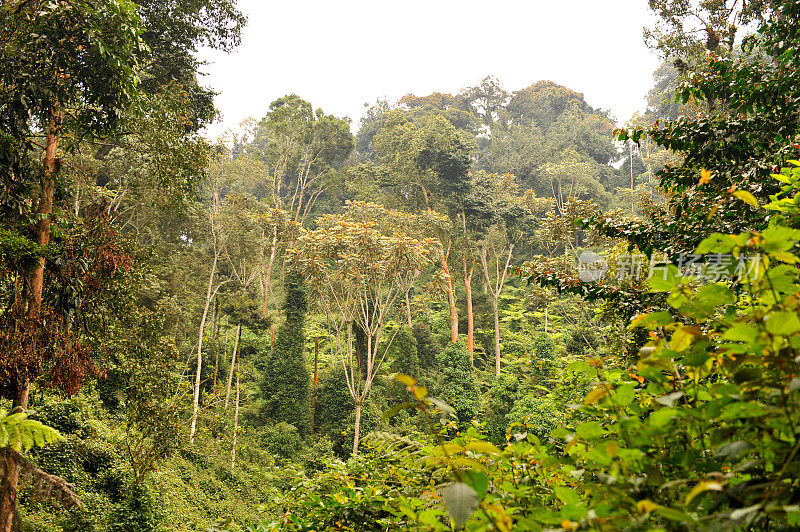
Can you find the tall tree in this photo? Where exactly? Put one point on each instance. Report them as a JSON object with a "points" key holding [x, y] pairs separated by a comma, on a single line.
{"points": [[361, 263], [429, 165], [303, 148], [68, 68]]}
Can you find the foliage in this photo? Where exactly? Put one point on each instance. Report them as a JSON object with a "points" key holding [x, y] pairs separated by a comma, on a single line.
{"points": [[457, 384], [285, 382]]}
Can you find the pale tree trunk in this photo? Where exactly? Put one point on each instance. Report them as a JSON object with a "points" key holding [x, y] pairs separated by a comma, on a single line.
{"points": [[633, 203], [196, 397], [234, 362], [10, 482], [546, 309], [496, 336], [494, 290], [408, 308], [468, 288], [235, 421], [266, 272], [215, 336], [357, 428]]}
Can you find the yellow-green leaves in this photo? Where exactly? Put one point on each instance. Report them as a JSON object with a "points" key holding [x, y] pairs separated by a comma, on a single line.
{"points": [[683, 337], [483, 447], [21, 433], [652, 320], [664, 278], [595, 395], [589, 430], [747, 197], [782, 323], [702, 487], [646, 506]]}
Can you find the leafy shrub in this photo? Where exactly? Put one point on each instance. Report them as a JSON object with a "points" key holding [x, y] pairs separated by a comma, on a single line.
{"points": [[457, 385]]}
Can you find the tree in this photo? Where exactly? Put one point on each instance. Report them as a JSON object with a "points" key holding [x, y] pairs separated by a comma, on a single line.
{"points": [[478, 212], [429, 163], [686, 30], [495, 253], [68, 68], [173, 32], [302, 149], [361, 263], [285, 383]]}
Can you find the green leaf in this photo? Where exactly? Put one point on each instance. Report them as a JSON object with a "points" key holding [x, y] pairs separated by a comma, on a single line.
{"points": [[623, 396], [589, 429], [741, 332], [733, 449], [682, 338], [739, 410], [478, 480], [708, 298], [746, 197], [461, 502], [675, 515], [652, 320], [662, 417], [782, 323], [26, 438], [779, 238], [664, 278], [720, 243], [567, 495], [38, 438], [483, 447]]}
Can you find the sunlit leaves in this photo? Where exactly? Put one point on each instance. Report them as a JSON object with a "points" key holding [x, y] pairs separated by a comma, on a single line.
{"points": [[21, 433]]}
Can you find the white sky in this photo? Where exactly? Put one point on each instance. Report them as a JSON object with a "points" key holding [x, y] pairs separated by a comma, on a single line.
{"points": [[339, 55]]}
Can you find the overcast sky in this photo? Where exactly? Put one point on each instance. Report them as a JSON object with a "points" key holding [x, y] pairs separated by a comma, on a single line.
{"points": [[339, 55]]}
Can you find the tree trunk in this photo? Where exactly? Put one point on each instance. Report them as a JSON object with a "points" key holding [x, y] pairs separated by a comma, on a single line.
{"points": [[235, 422], [314, 392], [234, 362], [408, 309], [196, 397], [357, 429], [8, 493], [266, 277], [215, 336], [496, 309], [451, 300], [45, 209], [546, 309], [470, 316], [10, 481]]}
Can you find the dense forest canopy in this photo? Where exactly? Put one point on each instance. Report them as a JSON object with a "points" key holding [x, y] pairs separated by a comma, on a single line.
{"points": [[493, 309]]}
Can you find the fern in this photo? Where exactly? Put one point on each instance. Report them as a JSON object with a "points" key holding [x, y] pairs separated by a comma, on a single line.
{"points": [[20, 433]]}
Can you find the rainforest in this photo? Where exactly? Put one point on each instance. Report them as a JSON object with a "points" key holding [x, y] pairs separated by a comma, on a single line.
{"points": [[488, 309]]}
